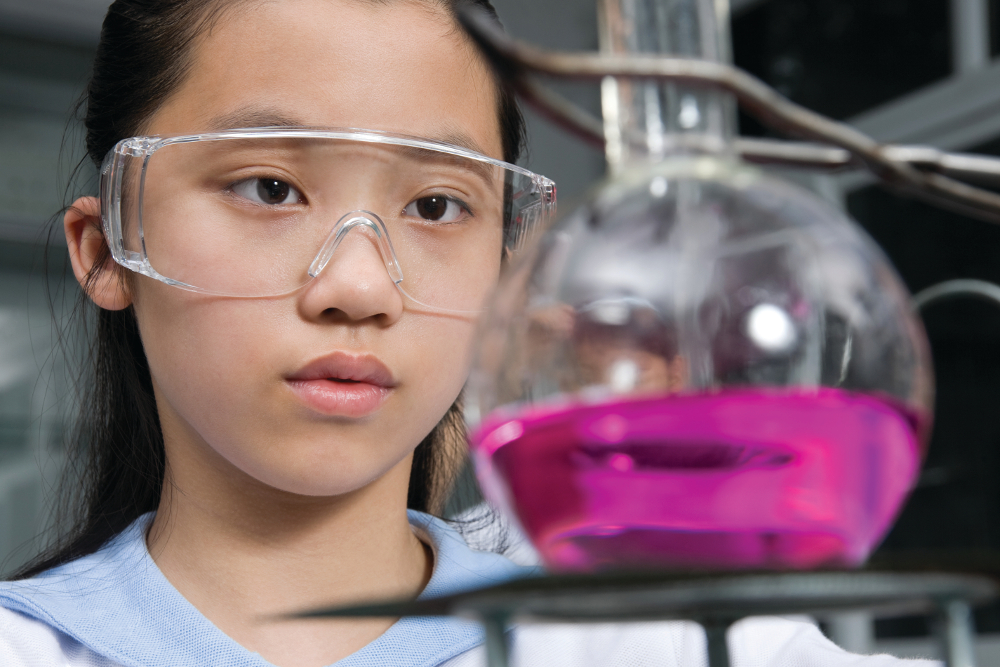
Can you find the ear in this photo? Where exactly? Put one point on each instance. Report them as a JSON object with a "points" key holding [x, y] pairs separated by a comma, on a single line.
{"points": [[85, 238]]}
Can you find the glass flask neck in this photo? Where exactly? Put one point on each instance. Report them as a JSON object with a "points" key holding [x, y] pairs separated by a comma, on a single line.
{"points": [[643, 121]]}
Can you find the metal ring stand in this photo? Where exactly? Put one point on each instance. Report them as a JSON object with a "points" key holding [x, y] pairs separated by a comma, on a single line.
{"points": [[713, 601], [718, 600]]}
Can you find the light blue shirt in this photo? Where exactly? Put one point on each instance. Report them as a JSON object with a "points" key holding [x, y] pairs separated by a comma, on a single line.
{"points": [[118, 604], [114, 608]]}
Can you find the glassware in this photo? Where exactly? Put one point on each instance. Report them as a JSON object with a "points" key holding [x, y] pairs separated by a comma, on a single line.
{"points": [[261, 212], [700, 366]]}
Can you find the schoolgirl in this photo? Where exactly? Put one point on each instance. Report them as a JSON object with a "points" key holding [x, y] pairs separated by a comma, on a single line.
{"points": [[285, 306]]}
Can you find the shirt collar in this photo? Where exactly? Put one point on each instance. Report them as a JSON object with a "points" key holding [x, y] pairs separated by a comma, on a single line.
{"points": [[117, 603]]}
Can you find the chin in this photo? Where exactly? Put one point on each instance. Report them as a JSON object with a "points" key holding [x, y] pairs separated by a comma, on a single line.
{"points": [[307, 476]]}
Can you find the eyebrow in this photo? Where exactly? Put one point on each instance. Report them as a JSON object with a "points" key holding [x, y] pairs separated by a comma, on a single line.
{"points": [[484, 170], [263, 117], [460, 139], [266, 117], [253, 117]]}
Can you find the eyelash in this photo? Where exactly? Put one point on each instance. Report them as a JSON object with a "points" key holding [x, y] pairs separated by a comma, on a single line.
{"points": [[251, 181], [257, 181], [449, 201]]}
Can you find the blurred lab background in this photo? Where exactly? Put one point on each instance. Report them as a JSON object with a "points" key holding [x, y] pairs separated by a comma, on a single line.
{"points": [[904, 71]]}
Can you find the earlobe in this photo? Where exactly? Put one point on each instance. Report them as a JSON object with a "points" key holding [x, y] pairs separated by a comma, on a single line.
{"points": [[85, 239]]}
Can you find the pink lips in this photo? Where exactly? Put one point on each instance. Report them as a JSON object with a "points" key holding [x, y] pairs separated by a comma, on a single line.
{"points": [[343, 385]]}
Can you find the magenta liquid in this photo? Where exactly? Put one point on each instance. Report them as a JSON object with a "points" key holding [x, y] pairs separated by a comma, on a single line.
{"points": [[736, 479]]}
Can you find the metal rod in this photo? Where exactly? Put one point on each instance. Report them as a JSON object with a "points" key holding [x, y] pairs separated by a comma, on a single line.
{"points": [[497, 649], [715, 639], [961, 165], [970, 35], [956, 633], [800, 154], [515, 61], [853, 631], [952, 288]]}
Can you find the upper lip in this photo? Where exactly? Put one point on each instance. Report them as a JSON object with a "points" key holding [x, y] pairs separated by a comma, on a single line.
{"points": [[346, 366]]}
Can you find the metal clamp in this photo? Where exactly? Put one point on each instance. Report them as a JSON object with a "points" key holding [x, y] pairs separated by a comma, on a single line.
{"points": [[920, 172]]}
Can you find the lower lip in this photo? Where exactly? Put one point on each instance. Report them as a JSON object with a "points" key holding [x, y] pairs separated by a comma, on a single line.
{"points": [[341, 399]]}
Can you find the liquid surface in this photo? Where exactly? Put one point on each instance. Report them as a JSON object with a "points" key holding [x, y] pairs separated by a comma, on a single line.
{"points": [[736, 479]]}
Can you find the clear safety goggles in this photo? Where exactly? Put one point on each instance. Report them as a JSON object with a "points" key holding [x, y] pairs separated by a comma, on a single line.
{"points": [[262, 212]]}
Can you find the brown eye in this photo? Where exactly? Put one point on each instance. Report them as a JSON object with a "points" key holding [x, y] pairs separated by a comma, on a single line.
{"points": [[271, 191], [432, 208], [435, 209], [267, 191]]}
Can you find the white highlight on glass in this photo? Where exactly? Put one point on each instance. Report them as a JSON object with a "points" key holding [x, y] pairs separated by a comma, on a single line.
{"points": [[689, 116], [658, 187], [771, 328], [624, 376], [654, 121], [611, 312]]}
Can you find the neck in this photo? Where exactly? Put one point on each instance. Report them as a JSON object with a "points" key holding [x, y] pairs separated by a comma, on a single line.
{"points": [[241, 551], [645, 122]]}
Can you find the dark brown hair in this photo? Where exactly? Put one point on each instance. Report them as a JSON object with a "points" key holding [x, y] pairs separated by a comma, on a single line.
{"points": [[116, 456]]}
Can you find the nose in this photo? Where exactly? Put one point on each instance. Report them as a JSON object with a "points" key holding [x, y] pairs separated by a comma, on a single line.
{"points": [[356, 274]]}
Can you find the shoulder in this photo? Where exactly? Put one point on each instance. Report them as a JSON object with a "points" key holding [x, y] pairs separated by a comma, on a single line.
{"points": [[459, 567], [27, 642]]}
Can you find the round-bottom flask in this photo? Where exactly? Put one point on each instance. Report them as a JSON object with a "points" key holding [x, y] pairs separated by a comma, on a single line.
{"points": [[701, 367]]}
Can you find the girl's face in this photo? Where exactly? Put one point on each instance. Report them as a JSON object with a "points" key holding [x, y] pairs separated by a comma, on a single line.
{"points": [[243, 381]]}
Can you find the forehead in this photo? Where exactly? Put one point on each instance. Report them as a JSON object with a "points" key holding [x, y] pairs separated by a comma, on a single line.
{"points": [[401, 66]]}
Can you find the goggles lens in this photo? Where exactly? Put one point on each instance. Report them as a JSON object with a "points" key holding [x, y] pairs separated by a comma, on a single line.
{"points": [[253, 214]]}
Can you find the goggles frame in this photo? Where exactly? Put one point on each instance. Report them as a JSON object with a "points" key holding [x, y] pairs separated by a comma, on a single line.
{"points": [[516, 231]]}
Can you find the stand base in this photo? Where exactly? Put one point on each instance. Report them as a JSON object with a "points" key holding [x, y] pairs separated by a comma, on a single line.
{"points": [[715, 601]]}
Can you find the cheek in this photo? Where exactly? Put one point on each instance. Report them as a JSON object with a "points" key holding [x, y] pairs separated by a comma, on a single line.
{"points": [[442, 348], [208, 358]]}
